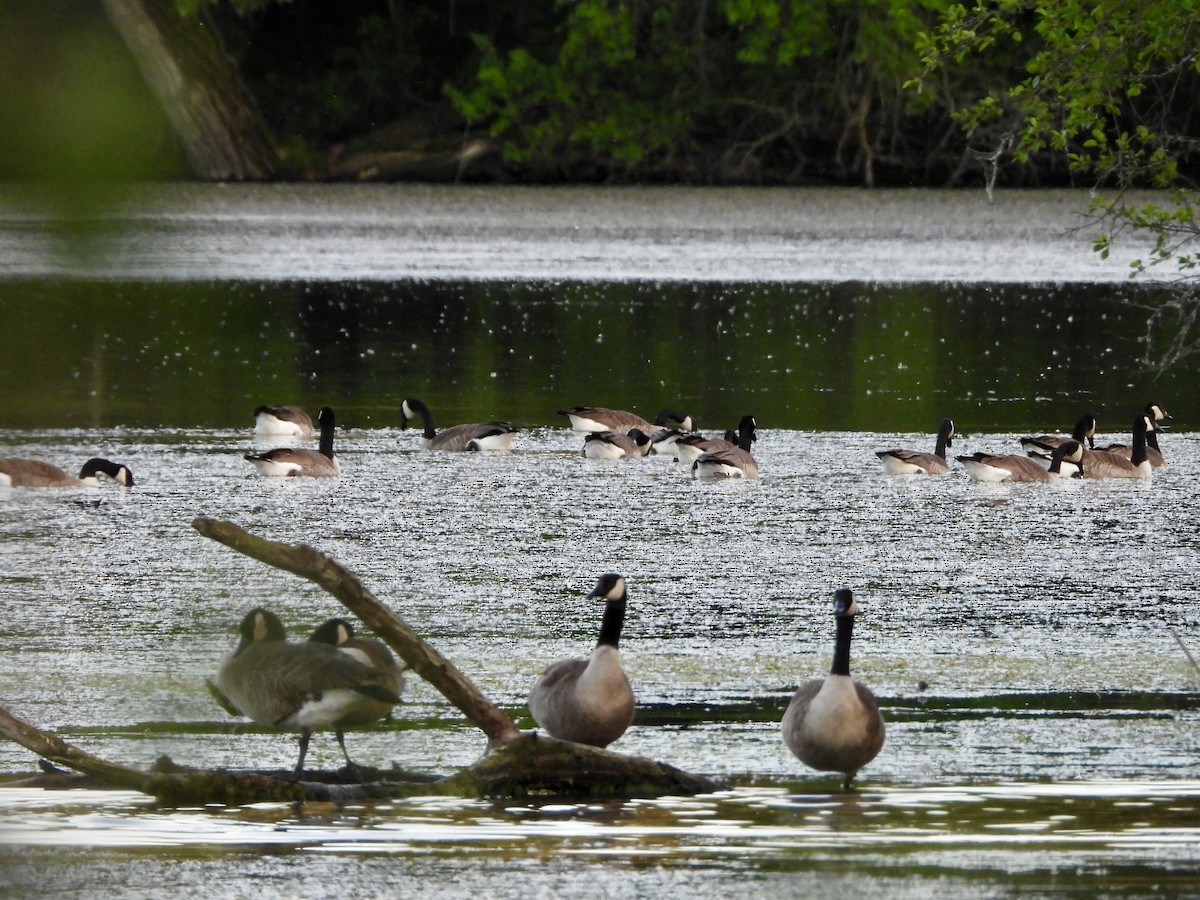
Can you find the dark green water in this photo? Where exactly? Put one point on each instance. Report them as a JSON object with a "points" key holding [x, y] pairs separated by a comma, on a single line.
{"points": [[823, 357]]}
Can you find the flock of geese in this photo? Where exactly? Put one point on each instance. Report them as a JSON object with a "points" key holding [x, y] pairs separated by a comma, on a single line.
{"points": [[608, 434], [1046, 457], [338, 680]]}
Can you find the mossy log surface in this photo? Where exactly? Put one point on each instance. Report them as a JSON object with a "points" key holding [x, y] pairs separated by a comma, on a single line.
{"points": [[515, 764]]}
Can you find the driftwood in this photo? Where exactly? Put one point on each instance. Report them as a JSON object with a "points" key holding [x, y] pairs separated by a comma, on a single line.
{"points": [[516, 764]]}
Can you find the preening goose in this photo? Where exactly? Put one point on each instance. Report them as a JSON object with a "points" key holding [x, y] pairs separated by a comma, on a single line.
{"points": [[730, 462], [478, 436], [599, 418], [1085, 430], [292, 461], [282, 420], [914, 462], [1066, 461], [616, 445], [1111, 464], [18, 472], [371, 653], [297, 686], [833, 724], [692, 447], [1156, 414], [589, 701]]}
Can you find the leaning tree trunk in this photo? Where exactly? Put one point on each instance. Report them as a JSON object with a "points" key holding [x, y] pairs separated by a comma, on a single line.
{"points": [[185, 64]]}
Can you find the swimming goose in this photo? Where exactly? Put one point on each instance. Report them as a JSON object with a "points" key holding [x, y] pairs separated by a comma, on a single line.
{"points": [[1153, 452], [692, 447], [1085, 429], [277, 420], [478, 436], [1109, 464], [371, 653], [1066, 461], [833, 723], [297, 686], [616, 445], [589, 701], [599, 418], [914, 462], [18, 472], [285, 461]]}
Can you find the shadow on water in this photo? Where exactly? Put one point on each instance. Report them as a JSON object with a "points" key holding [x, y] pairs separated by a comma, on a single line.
{"points": [[823, 357]]}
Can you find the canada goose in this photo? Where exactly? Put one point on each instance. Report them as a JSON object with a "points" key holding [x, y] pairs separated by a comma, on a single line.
{"points": [[479, 436], [1085, 429], [615, 444], [1066, 461], [1111, 464], [589, 701], [914, 462], [283, 461], [692, 447], [296, 686], [277, 420], [833, 723], [376, 656], [18, 472], [1156, 414], [599, 418], [665, 442]]}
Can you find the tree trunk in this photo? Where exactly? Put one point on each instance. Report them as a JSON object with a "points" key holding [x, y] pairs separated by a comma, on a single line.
{"points": [[197, 84]]}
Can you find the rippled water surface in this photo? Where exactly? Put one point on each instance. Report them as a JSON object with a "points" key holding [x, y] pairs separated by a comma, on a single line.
{"points": [[1028, 643], [1022, 639]]}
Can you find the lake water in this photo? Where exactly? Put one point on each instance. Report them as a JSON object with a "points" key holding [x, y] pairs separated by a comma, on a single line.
{"points": [[1025, 641]]}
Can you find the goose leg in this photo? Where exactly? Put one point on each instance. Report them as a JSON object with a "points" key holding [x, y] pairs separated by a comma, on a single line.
{"points": [[350, 766], [305, 734]]}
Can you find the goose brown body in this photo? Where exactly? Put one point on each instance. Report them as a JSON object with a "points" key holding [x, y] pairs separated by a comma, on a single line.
{"points": [[589, 701], [601, 418], [282, 420], [916, 462], [17, 471], [833, 724], [300, 461], [457, 438], [296, 686]]}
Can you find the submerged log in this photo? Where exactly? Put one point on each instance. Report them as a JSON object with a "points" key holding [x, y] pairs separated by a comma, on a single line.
{"points": [[516, 764]]}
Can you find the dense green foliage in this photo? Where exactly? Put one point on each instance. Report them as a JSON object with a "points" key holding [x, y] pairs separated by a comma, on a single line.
{"points": [[743, 91], [1110, 90], [737, 90]]}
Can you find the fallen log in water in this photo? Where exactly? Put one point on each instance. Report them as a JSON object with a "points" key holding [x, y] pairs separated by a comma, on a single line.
{"points": [[516, 764]]}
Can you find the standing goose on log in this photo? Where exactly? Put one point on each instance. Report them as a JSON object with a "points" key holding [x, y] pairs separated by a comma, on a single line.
{"points": [[16, 471], [1065, 462], [297, 686], [282, 420], [1156, 414], [1085, 430], [691, 447], [915, 462], [600, 418], [372, 653], [833, 723], [478, 436], [589, 701], [300, 461]]}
